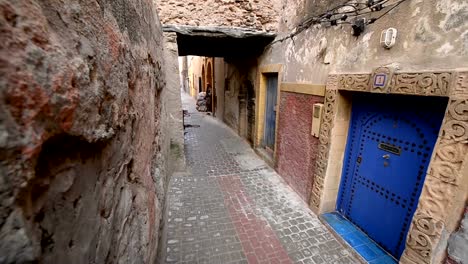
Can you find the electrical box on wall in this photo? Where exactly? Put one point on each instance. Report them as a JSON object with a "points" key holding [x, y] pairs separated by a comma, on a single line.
{"points": [[316, 119]]}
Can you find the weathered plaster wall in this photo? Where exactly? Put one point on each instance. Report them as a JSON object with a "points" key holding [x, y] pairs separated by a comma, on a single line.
{"points": [[183, 72], [231, 96], [257, 14], [195, 65], [240, 80], [219, 77], [81, 117], [297, 148], [291, 13], [431, 35], [251, 106], [174, 130]]}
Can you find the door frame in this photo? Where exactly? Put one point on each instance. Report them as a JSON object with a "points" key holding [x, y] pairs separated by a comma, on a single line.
{"points": [[445, 189], [260, 106]]}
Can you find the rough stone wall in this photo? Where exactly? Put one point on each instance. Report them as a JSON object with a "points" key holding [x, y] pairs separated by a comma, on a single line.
{"points": [[80, 131], [257, 14], [297, 148], [458, 243]]}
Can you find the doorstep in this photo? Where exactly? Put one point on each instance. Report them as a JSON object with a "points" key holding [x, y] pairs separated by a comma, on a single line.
{"points": [[364, 246]]}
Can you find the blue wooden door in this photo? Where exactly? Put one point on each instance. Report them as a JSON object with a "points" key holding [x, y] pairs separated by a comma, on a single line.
{"points": [[390, 144], [270, 111]]}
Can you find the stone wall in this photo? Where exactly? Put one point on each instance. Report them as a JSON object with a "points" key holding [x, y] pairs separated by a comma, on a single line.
{"points": [[297, 148], [458, 243], [80, 131], [174, 130], [258, 14]]}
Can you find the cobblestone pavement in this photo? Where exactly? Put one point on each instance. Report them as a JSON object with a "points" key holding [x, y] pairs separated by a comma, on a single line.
{"points": [[232, 208]]}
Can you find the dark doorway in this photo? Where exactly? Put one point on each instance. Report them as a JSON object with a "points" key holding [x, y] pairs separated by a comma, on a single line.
{"points": [[199, 85]]}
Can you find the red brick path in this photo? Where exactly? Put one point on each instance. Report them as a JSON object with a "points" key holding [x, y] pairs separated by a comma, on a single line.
{"points": [[260, 243]]}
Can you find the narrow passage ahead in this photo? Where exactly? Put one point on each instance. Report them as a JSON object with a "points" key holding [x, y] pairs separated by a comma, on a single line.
{"points": [[231, 207]]}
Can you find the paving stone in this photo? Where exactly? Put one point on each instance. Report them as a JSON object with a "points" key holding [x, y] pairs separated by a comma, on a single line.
{"points": [[232, 208]]}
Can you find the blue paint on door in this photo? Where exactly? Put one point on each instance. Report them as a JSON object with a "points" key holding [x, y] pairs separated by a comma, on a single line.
{"points": [[389, 147], [270, 111]]}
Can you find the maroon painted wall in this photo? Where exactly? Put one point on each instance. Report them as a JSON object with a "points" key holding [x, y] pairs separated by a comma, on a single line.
{"points": [[297, 148]]}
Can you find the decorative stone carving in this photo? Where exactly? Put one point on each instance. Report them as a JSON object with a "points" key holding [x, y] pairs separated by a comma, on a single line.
{"points": [[385, 81], [354, 82], [381, 79], [436, 198], [445, 171], [429, 83], [458, 109], [421, 239], [324, 148], [447, 161], [332, 82], [461, 84]]}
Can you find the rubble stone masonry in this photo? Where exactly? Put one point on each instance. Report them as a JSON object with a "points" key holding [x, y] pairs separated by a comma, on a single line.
{"points": [[256, 14], [80, 104]]}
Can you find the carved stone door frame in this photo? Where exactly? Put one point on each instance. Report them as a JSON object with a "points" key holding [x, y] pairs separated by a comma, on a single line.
{"points": [[445, 191]]}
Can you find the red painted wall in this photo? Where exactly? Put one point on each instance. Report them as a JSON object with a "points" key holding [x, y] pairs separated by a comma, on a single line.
{"points": [[297, 148]]}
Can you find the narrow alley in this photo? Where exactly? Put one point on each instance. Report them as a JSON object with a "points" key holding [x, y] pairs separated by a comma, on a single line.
{"points": [[233, 208], [234, 131]]}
